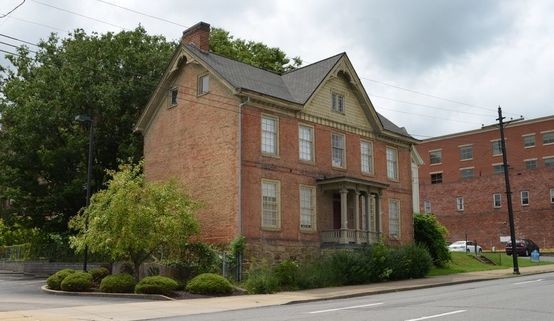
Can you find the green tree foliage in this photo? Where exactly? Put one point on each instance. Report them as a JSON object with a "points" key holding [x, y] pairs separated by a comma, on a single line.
{"points": [[253, 53], [42, 149], [131, 219], [428, 232]]}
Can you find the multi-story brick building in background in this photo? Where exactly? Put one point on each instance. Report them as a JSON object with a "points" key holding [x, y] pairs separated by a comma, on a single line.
{"points": [[293, 161], [462, 182]]}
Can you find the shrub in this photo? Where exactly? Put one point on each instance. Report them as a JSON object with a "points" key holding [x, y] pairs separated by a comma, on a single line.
{"points": [[156, 285], [411, 261], [429, 233], [98, 274], [118, 283], [315, 274], [261, 279], [77, 282], [55, 280], [286, 273], [127, 268], [209, 283]]}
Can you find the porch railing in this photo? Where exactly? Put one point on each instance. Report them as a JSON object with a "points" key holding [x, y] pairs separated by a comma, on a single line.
{"points": [[347, 236]]}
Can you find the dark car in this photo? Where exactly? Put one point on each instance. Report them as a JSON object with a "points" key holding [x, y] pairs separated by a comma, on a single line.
{"points": [[523, 247]]}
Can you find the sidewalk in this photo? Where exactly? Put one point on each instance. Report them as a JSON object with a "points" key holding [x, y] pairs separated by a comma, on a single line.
{"points": [[160, 309]]}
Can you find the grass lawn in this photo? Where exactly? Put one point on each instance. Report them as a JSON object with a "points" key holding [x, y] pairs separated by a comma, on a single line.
{"points": [[462, 262]]}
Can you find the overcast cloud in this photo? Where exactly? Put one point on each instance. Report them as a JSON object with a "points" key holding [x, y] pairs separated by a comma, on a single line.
{"points": [[480, 54]]}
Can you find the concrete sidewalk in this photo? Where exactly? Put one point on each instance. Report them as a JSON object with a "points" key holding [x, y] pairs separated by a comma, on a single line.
{"points": [[160, 309]]}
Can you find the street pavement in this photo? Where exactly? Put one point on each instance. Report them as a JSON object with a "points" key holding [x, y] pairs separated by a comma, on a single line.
{"points": [[110, 309]]}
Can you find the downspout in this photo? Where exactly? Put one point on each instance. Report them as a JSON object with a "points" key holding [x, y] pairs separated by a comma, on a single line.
{"points": [[239, 194]]}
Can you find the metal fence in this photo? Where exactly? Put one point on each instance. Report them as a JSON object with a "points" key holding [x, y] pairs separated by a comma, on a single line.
{"points": [[19, 252]]}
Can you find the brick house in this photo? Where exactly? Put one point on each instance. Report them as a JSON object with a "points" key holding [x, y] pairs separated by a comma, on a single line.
{"points": [[462, 182], [294, 162]]}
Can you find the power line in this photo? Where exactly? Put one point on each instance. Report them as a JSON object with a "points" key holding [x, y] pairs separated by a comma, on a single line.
{"points": [[36, 23], [142, 13], [14, 46], [19, 5], [17, 39], [8, 52]]}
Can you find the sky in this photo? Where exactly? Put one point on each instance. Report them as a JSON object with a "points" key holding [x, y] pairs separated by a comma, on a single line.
{"points": [[434, 67]]}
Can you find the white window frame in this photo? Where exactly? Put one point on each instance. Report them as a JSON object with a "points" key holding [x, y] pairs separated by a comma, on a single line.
{"points": [[526, 136], [338, 148], [527, 161], [460, 203], [549, 133], [437, 155], [494, 166], [552, 196], [203, 84], [435, 173], [265, 211], [173, 90], [427, 207], [304, 143], [392, 164], [366, 159], [272, 136], [493, 142], [462, 147], [494, 197], [465, 169], [337, 102], [312, 216], [521, 198], [394, 219]]}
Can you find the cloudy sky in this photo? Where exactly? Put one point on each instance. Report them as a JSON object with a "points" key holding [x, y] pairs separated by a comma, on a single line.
{"points": [[434, 67]]}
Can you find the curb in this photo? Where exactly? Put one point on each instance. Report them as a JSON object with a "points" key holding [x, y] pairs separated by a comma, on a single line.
{"points": [[157, 297]]}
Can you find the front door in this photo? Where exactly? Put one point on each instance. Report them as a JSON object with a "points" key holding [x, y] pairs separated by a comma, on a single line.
{"points": [[336, 211]]}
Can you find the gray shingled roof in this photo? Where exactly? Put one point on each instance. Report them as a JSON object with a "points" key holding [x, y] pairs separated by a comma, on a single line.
{"points": [[296, 86]]}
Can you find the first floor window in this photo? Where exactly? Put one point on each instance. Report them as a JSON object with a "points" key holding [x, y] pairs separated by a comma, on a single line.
{"points": [[394, 218], [524, 197], [269, 135], [338, 150], [496, 200], [366, 153], [436, 178], [427, 206], [549, 162], [459, 203], [466, 173], [496, 148], [392, 163], [306, 143], [498, 169], [307, 207], [271, 216], [530, 163], [552, 195]]}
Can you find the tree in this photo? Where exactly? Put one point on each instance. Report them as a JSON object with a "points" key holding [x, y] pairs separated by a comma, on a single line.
{"points": [[430, 233], [251, 52], [132, 219]]}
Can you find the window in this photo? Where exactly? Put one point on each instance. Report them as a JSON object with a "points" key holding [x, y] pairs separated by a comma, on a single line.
{"points": [[271, 216], [459, 203], [307, 207], [366, 154], [436, 178], [496, 148], [203, 85], [435, 157], [338, 103], [338, 150], [392, 163], [552, 195], [173, 96], [394, 218], [498, 169], [269, 135], [530, 163], [548, 138], [529, 141], [549, 161], [427, 206], [466, 173], [496, 200], [524, 198], [306, 143], [466, 152]]}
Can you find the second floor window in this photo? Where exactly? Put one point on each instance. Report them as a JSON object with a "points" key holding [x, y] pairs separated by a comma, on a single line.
{"points": [[338, 150], [337, 103], [529, 141], [496, 148], [269, 135], [549, 162], [366, 153], [306, 143], [466, 152], [203, 85], [435, 157], [392, 163]]}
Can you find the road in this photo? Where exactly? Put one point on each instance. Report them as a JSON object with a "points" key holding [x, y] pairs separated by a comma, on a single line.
{"points": [[524, 298]]}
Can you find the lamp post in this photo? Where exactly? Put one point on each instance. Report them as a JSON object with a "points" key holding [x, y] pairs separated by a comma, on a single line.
{"points": [[87, 120]]}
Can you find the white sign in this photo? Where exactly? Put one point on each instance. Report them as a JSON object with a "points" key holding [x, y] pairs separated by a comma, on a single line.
{"points": [[505, 239]]}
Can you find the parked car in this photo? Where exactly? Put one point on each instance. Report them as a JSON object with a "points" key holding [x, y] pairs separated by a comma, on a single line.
{"points": [[524, 247], [463, 246]]}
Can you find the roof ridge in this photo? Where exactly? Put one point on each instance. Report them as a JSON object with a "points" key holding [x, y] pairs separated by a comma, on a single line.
{"points": [[313, 63]]}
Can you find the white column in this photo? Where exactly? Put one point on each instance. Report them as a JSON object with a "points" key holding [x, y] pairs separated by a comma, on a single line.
{"points": [[357, 214], [343, 214]]}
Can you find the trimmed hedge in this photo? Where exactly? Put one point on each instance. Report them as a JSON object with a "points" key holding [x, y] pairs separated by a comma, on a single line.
{"points": [[77, 282], [210, 283], [156, 285], [98, 274], [118, 283], [55, 280]]}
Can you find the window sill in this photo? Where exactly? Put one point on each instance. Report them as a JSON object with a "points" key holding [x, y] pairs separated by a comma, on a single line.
{"points": [[202, 94], [435, 164], [369, 174], [466, 159], [529, 146], [270, 229], [271, 155], [546, 144], [339, 168], [306, 162]]}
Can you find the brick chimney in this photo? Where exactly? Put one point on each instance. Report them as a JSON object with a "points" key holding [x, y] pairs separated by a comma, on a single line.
{"points": [[198, 35]]}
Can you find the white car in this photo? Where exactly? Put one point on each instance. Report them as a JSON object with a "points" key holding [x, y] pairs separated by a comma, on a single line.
{"points": [[463, 246]]}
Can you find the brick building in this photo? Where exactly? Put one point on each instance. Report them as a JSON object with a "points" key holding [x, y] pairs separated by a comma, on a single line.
{"points": [[294, 161], [462, 182]]}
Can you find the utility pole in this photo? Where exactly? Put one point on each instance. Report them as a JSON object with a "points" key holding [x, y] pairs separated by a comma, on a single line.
{"points": [[508, 191]]}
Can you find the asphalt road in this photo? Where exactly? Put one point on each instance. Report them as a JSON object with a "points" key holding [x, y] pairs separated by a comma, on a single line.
{"points": [[19, 292], [524, 298]]}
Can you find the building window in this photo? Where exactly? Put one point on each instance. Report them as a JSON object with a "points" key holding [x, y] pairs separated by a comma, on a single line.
{"points": [[459, 203], [549, 161], [552, 195], [530, 163], [203, 85], [466, 173], [392, 163], [338, 103], [529, 141], [496, 148], [366, 153], [548, 138], [173, 96], [338, 150], [394, 219], [427, 206], [496, 200], [524, 198], [306, 143], [307, 208], [498, 169], [270, 130], [466, 152], [271, 216], [436, 178], [435, 157]]}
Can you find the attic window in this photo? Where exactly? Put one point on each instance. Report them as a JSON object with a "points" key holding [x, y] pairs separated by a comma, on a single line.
{"points": [[203, 84], [338, 103], [173, 96]]}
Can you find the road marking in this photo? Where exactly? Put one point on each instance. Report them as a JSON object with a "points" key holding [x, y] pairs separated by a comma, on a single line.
{"points": [[525, 282], [437, 315], [348, 308]]}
